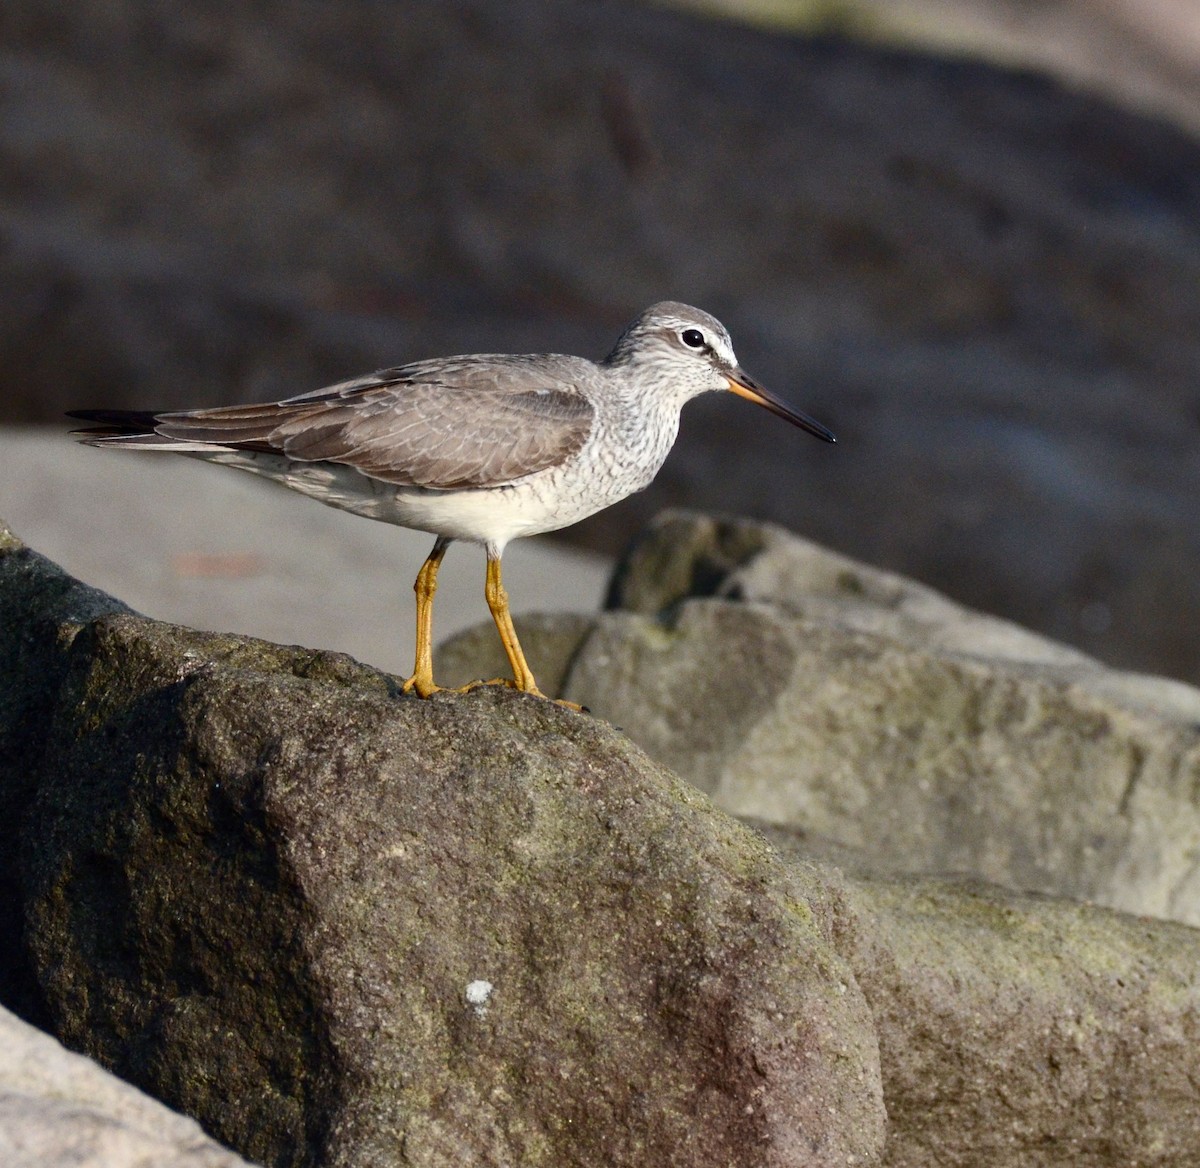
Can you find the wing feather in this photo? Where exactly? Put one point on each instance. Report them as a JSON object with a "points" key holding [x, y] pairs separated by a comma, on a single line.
{"points": [[462, 422]]}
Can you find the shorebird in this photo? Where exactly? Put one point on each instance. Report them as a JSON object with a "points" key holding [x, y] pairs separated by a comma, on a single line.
{"points": [[484, 448]]}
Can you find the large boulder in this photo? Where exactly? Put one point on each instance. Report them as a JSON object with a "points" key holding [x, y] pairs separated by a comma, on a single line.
{"points": [[1019, 1031], [341, 926], [806, 689]]}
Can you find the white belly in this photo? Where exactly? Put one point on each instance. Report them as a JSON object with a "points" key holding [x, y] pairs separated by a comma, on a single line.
{"points": [[542, 502]]}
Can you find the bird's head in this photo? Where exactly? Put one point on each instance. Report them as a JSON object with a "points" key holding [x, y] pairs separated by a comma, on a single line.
{"points": [[692, 351]]}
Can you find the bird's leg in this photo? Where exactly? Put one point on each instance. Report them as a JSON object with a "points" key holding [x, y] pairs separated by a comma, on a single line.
{"points": [[497, 602], [425, 587]]}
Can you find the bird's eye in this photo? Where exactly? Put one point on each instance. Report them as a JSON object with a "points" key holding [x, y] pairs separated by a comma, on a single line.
{"points": [[693, 338]]}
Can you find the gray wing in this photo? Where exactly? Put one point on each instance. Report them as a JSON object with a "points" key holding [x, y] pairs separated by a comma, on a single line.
{"points": [[479, 421]]}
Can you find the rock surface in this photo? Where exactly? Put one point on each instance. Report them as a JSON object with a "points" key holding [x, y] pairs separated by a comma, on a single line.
{"points": [[345, 928], [1026, 1032], [984, 283], [60, 1110], [477, 930], [41, 610], [802, 688]]}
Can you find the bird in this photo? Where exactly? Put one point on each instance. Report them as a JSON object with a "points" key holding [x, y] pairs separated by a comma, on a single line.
{"points": [[483, 448]]}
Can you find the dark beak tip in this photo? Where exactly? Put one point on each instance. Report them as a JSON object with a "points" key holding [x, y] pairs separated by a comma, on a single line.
{"points": [[740, 380], [815, 428]]}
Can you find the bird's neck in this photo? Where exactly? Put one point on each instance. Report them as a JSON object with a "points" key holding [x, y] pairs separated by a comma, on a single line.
{"points": [[644, 419]]}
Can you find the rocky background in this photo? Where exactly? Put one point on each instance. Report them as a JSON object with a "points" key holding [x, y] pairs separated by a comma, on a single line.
{"points": [[1139, 53], [983, 280]]}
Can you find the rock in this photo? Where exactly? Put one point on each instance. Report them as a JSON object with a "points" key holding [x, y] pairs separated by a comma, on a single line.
{"points": [[1023, 1032], [685, 554], [41, 610], [60, 1110], [984, 282], [804, 689], [341, 927]]}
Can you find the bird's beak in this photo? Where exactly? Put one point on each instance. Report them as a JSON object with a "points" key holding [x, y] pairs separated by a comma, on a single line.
{"points": [[741, 383]]}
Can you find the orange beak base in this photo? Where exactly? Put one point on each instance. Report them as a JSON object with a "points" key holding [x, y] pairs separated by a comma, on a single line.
{"points": [[745, 386]]}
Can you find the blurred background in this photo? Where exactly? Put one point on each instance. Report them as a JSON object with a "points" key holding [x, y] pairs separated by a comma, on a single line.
{"points": [[963, 233]]}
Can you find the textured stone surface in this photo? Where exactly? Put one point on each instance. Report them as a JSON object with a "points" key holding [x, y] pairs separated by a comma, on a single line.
{"points": [[41, 609], [263, 884], [1030, 1033], [345, 928], [683, 553], [803, 688], [60, 1110], [1024, 1032]]}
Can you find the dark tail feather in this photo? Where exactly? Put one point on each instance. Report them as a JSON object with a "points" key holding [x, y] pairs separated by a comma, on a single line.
{"points": [[140, 429], [119, 421], [115, 423]]}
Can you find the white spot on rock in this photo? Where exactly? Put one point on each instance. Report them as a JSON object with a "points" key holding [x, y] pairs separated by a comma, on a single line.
{"points": [[479, 993]]}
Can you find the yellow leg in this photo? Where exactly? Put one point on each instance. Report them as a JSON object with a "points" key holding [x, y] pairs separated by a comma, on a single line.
{"points": [[497, 601], [425, 587]]}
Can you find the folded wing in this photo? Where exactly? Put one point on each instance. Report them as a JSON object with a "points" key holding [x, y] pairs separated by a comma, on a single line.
{"points": [[465, 422]]}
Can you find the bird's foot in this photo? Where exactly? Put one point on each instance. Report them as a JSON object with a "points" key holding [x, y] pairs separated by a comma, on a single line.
{"points": [[423, 687], [533, 691], [505, 681]]}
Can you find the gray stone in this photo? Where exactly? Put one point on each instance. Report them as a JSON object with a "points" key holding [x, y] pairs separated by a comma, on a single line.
{"points": [[346, 928], [265, 887], [60, 1110], [805, 689], [1018, 1031], [41, 610], [683, 554]]}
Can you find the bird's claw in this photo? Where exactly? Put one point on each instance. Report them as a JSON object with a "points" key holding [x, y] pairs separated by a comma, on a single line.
{"points": [[533, 691], [425, 687], [421, 686]]}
